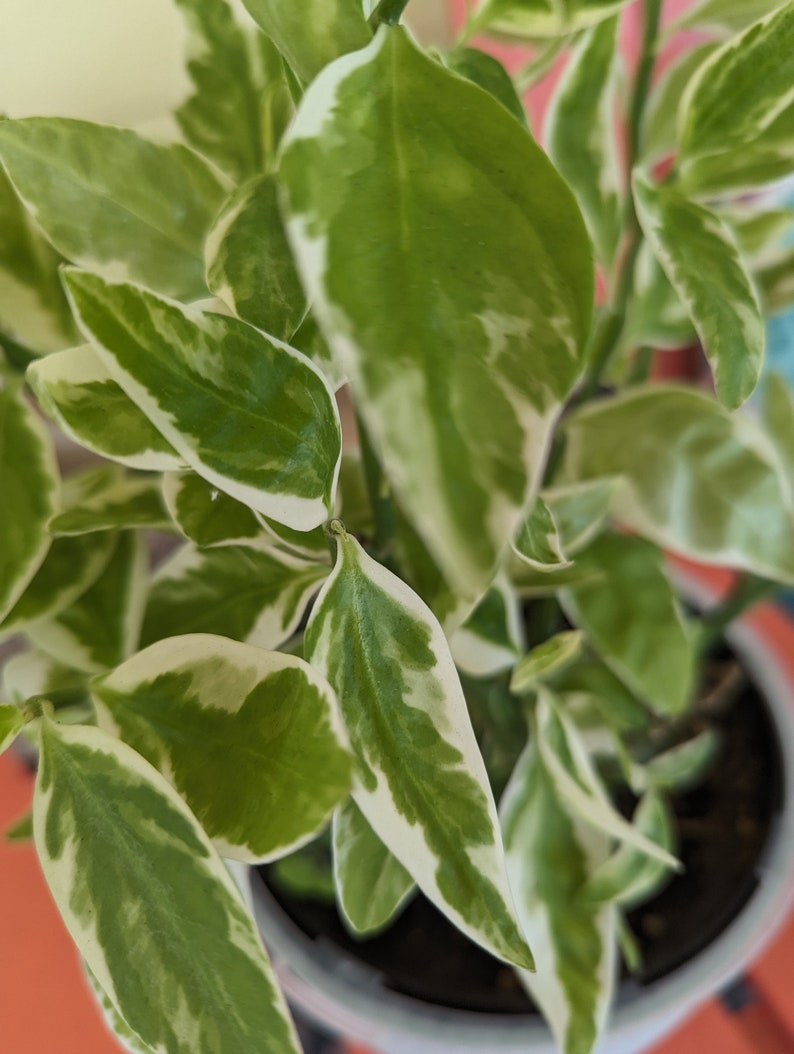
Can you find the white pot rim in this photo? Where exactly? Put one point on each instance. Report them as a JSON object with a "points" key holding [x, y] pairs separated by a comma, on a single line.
{"points": [[347, 997]]}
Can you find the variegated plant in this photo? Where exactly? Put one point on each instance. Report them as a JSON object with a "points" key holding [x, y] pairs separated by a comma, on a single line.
{"points": [[430, 658]]}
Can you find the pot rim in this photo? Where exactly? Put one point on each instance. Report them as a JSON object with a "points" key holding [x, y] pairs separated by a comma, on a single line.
{"points": [[338, 992]]}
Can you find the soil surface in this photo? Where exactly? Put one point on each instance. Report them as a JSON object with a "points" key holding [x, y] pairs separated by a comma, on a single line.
{"points": [[723, 828]]}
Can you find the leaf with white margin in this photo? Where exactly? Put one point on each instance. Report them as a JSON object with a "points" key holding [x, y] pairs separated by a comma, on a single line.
{"points": [[205, 514], [580, 511], [222, 119], [310, 545], [659, 134], [571, 769], [702, 261], [655, 317], [698, 480], [212, 713], [371, 884], [777, 417], [461, 340], [492, 637], [311, 34], [12, 721], [33, 308], [683, 766], [538, 542], [546, 660], [112, 201], [629, 877], [34, 673], [422, 785], [775, 281], [280, 445], [29, 485], [727, 104], [724, 17], [101, 628], [634, 621], [550, 854], [149, 903], [69, 568], [533, 19], [76, 391], [250, 264], [252, 594], [759, 232], [104, 499], [580, 134], [768, 157], [122, 1032]]}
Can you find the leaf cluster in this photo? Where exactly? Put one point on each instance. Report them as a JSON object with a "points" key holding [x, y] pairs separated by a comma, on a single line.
{"points": [[363, 572]]}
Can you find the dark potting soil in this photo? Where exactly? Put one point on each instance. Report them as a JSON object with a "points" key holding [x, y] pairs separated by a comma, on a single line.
{"points": [[723, 828]]}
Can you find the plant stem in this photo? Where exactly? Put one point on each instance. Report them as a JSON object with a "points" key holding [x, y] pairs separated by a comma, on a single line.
{"points": [[747, 591], [610, 330], [388, 12], [378, 491]]}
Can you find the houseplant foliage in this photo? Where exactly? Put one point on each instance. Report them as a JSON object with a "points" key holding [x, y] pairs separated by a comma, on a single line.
{"points": [[346, 208]]}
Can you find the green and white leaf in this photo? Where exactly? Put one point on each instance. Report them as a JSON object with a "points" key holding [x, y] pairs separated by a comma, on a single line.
{"points": [[247, 593], [205, 514], [308, 545], [372, 885], [697, 480], [250, 264], [32, 673], [580, 511], [702, 261], [77, 392], [489, 73], [538, 543], [656, 316], [533, 19], [222, 119], [12, 721], [119, 1028], [634, 622], [149, 902], [684, 766], [550, 854], [212, 713], [492, 637], [29, 485], [101, 628], [103, 499], [33, 308], [777, 419], [580, 134], [76, 180], [308, 338], [727, 104], [775, 281], [577, 783], [659, 123], [759, 233], [280, 445], [768, 157], [70, 567], [312, 34], [724, 17], [629, 877], [545, 661], [422, 782], [464, 341]]}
